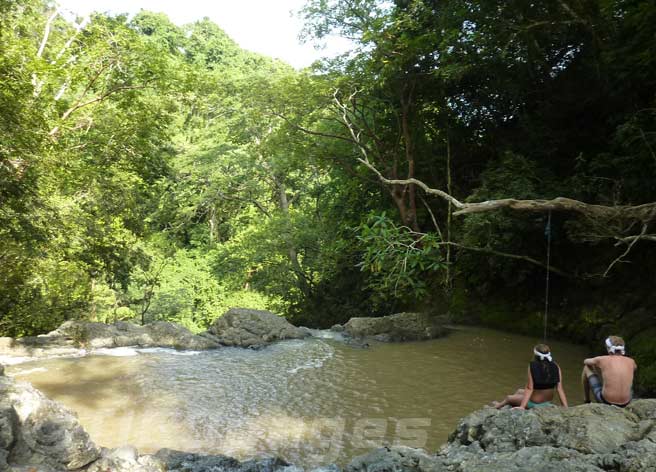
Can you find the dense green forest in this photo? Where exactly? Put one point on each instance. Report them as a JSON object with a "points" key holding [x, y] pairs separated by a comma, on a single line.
{"points": [[150, 171]]}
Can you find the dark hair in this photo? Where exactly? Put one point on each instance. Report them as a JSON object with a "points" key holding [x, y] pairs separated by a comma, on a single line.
{"points": [[547, 371]]}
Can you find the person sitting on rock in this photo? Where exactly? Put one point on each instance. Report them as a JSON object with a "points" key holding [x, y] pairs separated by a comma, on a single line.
{"points": [[610, 377], [544, 376]]}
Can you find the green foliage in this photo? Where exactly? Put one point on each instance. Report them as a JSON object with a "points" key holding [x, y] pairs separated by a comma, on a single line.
{"points": [[182, 287], [150, 171], [399, 262]]}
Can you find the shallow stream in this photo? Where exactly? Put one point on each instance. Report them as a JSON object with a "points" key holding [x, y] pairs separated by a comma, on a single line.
{"points": [[312, 402]]}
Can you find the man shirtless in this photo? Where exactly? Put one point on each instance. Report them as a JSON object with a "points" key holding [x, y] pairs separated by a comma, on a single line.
{"points": [[609, 377]]}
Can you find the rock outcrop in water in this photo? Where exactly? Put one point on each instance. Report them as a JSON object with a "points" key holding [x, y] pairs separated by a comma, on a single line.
{"points": [[240, 327], [70, 336], [37, 434], [395, 328], [243, 327]]}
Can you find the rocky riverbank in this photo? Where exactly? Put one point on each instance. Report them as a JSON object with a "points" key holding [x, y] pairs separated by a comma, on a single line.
{"points": [[238, 327], [38, 434]]}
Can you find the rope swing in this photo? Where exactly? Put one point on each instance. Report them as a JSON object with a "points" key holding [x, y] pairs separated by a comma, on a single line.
{"points": [[547, 233]]}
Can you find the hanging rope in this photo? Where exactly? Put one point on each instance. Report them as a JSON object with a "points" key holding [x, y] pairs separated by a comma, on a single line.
{"points": [[547, 233]]}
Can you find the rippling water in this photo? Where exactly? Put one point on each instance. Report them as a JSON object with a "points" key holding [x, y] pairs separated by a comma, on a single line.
{"points": [[312, 402]]}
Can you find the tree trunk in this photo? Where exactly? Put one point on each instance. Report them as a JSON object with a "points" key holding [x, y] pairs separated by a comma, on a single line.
{"points": [[292, 253]]}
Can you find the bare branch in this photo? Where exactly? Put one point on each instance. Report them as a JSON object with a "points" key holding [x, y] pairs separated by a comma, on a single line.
{"points": [[78, 27], [247, 200], [46, 32], [629, 239], [628, 249], [644, 212], [484, 250], [433, 219], [54, 131], [430, 191]]}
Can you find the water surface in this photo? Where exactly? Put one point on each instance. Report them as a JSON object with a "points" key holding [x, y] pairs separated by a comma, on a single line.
{"points": [[312, 401]]}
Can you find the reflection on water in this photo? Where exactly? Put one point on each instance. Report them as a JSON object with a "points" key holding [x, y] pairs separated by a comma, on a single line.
{"points": [[312, 401]]}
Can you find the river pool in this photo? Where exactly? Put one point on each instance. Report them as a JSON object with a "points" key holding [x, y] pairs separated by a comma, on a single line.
{"points": [[313, 401]]}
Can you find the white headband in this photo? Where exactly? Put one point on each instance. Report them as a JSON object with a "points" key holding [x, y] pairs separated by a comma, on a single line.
{"points": [[543, 356], [612, 348]]}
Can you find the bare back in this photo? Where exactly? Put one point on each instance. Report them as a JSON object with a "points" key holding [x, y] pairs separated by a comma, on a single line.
{"points": [[617, 376]]}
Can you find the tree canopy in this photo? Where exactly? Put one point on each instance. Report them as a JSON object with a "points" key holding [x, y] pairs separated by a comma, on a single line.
{"points": [[155, 171]]}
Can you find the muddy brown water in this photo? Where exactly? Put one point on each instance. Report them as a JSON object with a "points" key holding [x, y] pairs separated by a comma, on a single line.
{"points": [[312, 402]]}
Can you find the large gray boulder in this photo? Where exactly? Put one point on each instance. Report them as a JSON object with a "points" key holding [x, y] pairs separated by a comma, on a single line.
{"points": [[40, 433], [123, 333], [244, 327], [398, 327]]}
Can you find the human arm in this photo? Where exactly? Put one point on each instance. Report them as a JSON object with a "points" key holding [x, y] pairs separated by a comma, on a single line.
{"points": [[560, 390], [591, 362], [528, 391]]}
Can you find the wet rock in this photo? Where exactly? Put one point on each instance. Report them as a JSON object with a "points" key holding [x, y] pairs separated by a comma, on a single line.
{"points": [[46, 436], [177, 461], [398, 327], [338, 328], [253, 328], [126, 459], [8, 426], [396, 459]]}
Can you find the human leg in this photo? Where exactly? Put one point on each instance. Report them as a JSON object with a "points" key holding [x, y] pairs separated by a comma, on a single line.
{"points": [[586, 384], [592, 383], [514, 399]]}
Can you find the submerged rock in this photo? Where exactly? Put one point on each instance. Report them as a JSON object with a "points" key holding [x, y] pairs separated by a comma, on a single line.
{"points": [[243, 327], [398, 327]]}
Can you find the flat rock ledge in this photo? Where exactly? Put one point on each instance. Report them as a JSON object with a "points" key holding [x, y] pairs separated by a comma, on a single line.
{"points": [[71, 336], [240, 327], [38, 434], [396, 328]]}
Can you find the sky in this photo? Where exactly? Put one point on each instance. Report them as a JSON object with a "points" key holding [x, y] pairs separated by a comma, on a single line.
{"points": [[264, 26]]}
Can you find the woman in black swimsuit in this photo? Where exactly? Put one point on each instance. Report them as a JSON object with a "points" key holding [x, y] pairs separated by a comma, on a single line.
{"points": [[544, 376]]}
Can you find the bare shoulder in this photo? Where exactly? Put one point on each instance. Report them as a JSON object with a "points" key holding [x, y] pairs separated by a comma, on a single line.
{"points": [[594, 360]]}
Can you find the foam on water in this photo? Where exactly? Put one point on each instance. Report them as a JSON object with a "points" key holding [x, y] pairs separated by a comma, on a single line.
{"points": [[314, 363], [16, 360], [30, 371], [166, 350], [115, 351], [327, 334]]}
